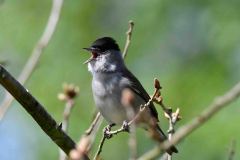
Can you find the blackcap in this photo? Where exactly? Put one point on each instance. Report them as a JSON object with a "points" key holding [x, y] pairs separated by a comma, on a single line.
{"points": [[110, 78]]}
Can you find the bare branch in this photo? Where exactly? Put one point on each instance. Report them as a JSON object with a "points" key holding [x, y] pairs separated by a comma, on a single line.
{"points": [[129, 36], [107, 134], [36, 53], [85, 143], [93, 124], [70, 92], [172, 117], [37, 111], [67, 111], [211, 110], [218, 104], [96, 157]]}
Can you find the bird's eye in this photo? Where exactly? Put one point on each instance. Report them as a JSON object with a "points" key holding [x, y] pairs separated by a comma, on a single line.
{"points": [[100, 49]]}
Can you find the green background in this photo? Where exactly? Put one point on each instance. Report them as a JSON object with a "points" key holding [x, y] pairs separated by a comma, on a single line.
{"points": [[192, 47]]}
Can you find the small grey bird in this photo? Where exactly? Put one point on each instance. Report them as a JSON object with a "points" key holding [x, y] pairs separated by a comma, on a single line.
{"points": [[110, 78]]}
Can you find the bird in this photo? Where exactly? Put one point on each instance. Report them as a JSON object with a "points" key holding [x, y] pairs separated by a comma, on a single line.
{"points": [[110, 77]]}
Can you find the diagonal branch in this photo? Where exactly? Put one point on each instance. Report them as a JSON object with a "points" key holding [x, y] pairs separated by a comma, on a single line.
{"points": [[37, 111], [85, 143], [70, 92], [36, 53], [210, 111], [218, 104]]}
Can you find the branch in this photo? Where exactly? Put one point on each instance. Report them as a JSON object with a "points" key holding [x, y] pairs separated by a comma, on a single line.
{"points": [[211, 110], [37, 111], [36, 53], [107, 134], [70, 92], [218, 104], [173, 117], [129, 36], [86, 141], [93, 124], [67, 111]]}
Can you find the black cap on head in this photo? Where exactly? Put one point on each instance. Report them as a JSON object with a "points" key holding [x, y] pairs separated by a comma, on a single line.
{"points": [[105, 43]]}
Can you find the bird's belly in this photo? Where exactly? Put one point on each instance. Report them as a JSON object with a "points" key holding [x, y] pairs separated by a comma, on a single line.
{"points": [[107, 97], [111, 109]]}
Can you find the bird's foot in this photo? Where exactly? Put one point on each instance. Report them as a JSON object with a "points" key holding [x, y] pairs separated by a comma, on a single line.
{"points": [[125, 126], [107, 131]]}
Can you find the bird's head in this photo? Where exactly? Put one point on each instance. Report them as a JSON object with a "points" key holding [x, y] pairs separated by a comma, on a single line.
{"points": [[106, 55]]}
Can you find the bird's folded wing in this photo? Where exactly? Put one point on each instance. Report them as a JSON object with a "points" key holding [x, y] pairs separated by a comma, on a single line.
{"points": [[136, 86]]}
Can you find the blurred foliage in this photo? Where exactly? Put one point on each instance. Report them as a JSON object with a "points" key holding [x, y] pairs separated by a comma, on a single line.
{"points": [[191, 46]]}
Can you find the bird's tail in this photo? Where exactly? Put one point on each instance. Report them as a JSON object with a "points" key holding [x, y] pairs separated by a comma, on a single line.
{"points": [[160, 136]]}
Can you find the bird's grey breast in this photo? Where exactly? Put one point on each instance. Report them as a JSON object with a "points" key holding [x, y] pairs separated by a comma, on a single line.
{"points": [[107, 91], [104, 84]]}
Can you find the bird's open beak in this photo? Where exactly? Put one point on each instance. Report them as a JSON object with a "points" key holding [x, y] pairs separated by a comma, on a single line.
{"points": [[89, 49], [94, 54]]}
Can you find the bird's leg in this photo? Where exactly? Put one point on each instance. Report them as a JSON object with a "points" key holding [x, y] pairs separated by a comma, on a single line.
{"points": [[107, 131]]}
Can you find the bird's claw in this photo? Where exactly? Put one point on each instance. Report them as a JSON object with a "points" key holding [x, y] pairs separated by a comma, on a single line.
{"points": [[125, 126], [107, 131]]}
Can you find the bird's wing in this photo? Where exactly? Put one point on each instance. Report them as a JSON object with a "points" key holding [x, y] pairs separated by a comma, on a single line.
{"points": [[136, 86]]}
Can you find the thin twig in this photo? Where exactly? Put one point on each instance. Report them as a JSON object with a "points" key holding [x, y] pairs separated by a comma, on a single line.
{"points": [[67, 111], [66, 114], [172, 119], [70, 92], [93, 124], [107, 134], [96, 157], [85, 143], [218, 104], [129, 36], [211, 110], [36, 53]]}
